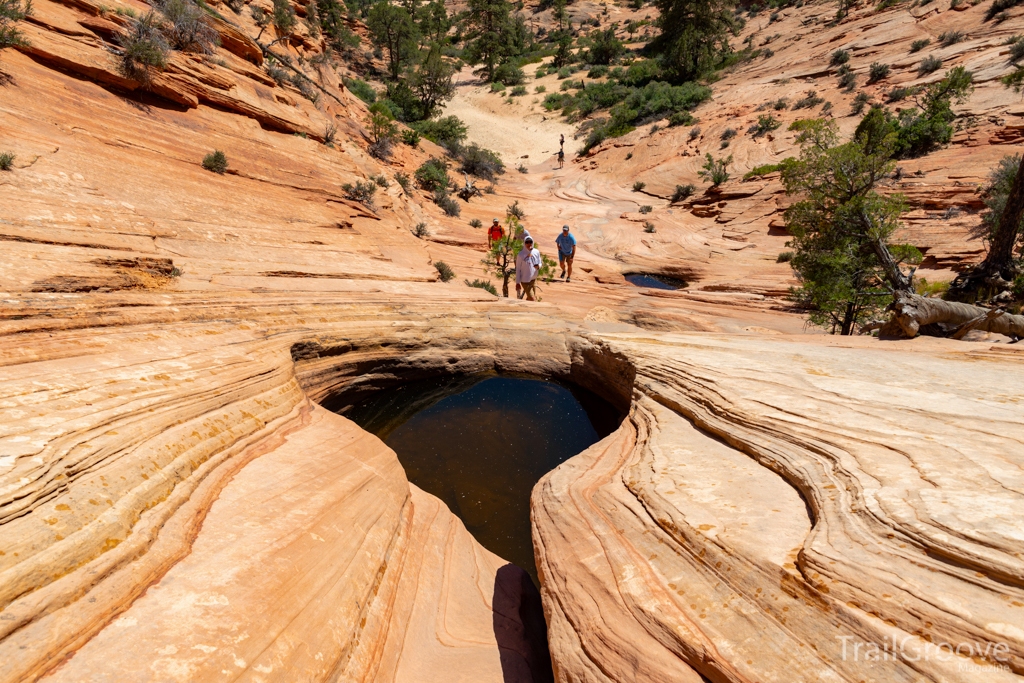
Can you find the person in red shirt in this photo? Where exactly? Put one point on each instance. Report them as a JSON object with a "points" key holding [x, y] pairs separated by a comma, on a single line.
{"points": [[494, 233]]}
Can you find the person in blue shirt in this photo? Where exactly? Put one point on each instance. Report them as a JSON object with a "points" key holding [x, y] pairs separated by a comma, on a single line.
{"points": [[566, 252]]}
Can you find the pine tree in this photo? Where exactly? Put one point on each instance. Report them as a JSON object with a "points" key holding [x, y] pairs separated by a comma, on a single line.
{"points": [[488, 23], [694, 36], [392, 29]]}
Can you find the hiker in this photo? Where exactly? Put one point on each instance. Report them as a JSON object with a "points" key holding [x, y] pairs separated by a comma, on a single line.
{"points": [[561, 141], [566, 252], [494, 233], [528, 262], [561, 158], [521, 232]]}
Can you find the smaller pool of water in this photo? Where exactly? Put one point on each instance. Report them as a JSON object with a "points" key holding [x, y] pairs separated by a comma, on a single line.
{"points": [[480, 443], [655, 281]]}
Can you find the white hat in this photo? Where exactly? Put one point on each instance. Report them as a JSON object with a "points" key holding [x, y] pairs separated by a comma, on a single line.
{"points": [[565, 228]]}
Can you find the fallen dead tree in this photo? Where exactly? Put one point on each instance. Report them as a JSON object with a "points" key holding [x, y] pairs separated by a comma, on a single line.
{"points": [[914, 314]]}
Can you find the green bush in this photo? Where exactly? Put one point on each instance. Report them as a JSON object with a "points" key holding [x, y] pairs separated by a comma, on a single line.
{"points": [[432, 175], [482, 284], [497, 86], [564, 72], [683, 192], [810, 100], [403, 182], [444, 271], [448, 131], [766, 123], [681, 118], [714, 170], [598, 71], [785, 257], [1016, 44], [649, 227], [839, 57], [897, 93], [646, 208], [999, 7], [6, 161], [362, 90], [143, 49], [728, 134], [951, 38], [188, 29], [361, 192], [447, 204], [920, 44], [859, 102], [421, 230], [475, 223], [639, 186], [381, 181], [780, 104], [11, 12], [539, 89], [877, 72], [411, 137], [518, 91], [216, 161], [928, 65], [847, 79], [763, 170], [480, 162], [509, 74]]}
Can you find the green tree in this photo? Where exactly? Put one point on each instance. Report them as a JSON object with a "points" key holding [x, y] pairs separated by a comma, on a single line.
{"points": [[11, 12], [693, 37], [562, 36], [487, 23], [500, 260], [434, 24], [380, 123], [605, 47], [331, 14], [392, 29], [432, 81], [841, 227]]}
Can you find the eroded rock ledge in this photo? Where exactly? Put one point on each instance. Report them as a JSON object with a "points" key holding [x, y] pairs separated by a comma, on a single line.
{"points": [[178, 507]]}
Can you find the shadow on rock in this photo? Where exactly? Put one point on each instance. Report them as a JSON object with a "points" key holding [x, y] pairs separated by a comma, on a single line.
{"points": [[520, 629]]}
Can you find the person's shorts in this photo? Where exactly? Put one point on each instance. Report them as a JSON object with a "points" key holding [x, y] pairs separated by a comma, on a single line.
{"points": [[528, 287], [564, 257]]}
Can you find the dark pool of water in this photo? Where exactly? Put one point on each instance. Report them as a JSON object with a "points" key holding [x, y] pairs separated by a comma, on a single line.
{"points": [[655, 281], [480, 443]]}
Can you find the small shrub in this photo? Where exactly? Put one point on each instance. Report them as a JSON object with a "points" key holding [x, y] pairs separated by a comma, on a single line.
{"points": [[951, 38], [381, 149], [839, 57], [897, 93], [476, 223], [509, 74], [826, 108], [444, 271], [541, 72], [188, 29], [878, 71], [919, 45], [999, 7], [848, 80], [515, 210], [694, 133], [928, 65], [360, 192], [330, 133], [780, 104], [403, 182], [639, 186], [1000, 17], [447, 203], [766, 123], [6, 161], [564, 72], [143, 49], [497, 87], [482, 284], [646, 208], [11, 12], [362, 90], [762, 170], [715, 170], [683, 192], [539, 89], [381, 181], [859, 102], [773, 17], [629, 155], [279, 75], [681, 118], [411, 137], [784, 257], [1016, 44], [522, 168], [480, 162], [216, 161], [433, 175], [284, 16], [518, 91], [421, 230], [810, 99], [728, 134], [649, 227], [598, 71], [931, 289]]}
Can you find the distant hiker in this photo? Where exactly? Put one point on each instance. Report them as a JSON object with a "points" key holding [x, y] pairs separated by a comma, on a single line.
{"points": [[561, 140], [521, 233], [528, 262], [561, 158], [566, 251], [494, 233]]}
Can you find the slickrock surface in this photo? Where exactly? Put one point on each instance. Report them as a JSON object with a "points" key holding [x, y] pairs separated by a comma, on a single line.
{"points": [[175, 506]]}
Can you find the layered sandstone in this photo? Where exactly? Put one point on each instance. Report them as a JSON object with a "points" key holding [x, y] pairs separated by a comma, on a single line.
{"points": [[175, 505]]}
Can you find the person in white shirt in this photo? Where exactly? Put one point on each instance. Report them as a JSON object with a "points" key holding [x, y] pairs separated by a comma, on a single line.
{"points": [[528, 262]]}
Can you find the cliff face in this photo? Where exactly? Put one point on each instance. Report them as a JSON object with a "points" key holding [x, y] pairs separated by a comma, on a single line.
{"points": [[174, 505]]}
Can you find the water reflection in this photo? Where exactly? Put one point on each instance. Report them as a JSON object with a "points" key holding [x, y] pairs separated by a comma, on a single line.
{"points": [[655, 281], [480, 444]]}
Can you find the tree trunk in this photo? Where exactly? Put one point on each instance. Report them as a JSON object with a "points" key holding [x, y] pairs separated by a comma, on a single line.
{"points": [[897, 280], [911, 313], [849, 319], [1000, 255]]}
